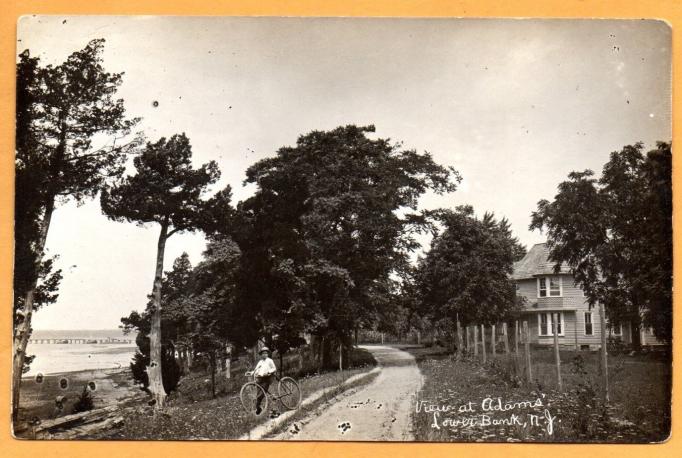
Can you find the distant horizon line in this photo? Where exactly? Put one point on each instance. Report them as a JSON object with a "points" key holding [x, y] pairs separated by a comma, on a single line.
{"points": [[78, 329]]}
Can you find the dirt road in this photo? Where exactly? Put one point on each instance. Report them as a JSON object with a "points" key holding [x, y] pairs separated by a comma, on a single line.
{"points": [[379, 411]]}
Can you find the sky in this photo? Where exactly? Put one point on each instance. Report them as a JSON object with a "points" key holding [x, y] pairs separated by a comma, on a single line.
{"points": [[513, 105]]}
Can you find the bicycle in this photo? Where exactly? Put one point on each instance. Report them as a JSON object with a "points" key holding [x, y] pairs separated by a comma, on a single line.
{"points": [[289, 394]]}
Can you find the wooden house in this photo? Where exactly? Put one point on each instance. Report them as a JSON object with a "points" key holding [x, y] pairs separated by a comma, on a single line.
{"points": [[547, 293]]}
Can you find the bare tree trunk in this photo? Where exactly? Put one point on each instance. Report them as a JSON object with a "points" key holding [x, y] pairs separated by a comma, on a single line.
{"points": [[604, 357], [154, 370], [506, 338], [228, 362], [635, 335], [190, 358], [212, 363], [23, 328]]}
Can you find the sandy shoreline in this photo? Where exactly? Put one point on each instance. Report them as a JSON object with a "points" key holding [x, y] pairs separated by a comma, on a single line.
{"points": [[108, 371], [113, 386], [60, 358]]}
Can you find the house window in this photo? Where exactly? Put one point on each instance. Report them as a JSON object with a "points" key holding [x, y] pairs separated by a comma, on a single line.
{"points": [[588, 323], [549, 287], [545, 324]]}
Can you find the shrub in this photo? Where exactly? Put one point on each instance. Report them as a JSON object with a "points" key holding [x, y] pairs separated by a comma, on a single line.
{"points": [[84, 401], [170, 370]]}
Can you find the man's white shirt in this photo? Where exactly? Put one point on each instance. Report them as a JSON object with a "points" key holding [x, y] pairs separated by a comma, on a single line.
{"points": [[265, 367]]}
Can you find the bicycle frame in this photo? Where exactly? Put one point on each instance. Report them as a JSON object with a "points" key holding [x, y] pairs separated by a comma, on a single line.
{"points": [[280, 397], [252, 378]]}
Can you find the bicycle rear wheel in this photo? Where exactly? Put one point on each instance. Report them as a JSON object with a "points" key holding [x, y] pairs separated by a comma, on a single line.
{"points": [[249, 397], [289, 393]]}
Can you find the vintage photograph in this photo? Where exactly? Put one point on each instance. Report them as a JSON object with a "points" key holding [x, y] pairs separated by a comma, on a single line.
{"points": [[342, 229]]}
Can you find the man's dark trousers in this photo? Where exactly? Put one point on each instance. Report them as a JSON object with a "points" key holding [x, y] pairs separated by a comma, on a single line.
{"points": [[265, 383]]}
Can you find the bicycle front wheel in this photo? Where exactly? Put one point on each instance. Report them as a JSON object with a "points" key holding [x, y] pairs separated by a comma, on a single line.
{"points": [[249, 395], [289, 393]]}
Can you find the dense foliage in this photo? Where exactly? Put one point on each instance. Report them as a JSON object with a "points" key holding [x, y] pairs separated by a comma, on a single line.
{"points": [[332, 219], [616, 234], [466, 274]]}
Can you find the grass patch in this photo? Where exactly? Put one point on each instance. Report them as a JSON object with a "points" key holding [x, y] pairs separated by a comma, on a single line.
{"points": [[639, 410], [192, 413], [422, 353]]}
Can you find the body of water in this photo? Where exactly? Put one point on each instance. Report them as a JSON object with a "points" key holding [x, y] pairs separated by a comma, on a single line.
{"points": [[54, 358]]}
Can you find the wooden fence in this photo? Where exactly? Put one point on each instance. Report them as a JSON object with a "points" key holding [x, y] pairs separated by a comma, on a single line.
{"points": [[512, 342]]}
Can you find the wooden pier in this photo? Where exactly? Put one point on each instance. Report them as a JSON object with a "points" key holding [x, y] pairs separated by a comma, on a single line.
{"points": [[80, 341]]}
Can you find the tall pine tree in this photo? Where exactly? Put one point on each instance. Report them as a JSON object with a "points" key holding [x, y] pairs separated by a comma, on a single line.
{"points": [[168, 191], [61, 110]]}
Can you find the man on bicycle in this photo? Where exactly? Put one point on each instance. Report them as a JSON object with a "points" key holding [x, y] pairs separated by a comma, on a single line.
{"points": [[264, 371]]}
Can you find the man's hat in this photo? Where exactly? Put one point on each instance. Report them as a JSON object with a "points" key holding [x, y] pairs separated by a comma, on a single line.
{"points": [[264, 349]]}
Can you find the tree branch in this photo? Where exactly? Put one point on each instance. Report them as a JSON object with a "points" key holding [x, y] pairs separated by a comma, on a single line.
{"points": [[101, 151]]}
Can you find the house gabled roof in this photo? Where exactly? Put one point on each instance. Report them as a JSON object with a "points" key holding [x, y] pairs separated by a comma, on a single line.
{"points": [[536, 262]]}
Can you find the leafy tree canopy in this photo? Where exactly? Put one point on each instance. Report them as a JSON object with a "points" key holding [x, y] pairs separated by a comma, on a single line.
{"points": [[166, 188], [332, 218], [615, 232], [466, 273]]}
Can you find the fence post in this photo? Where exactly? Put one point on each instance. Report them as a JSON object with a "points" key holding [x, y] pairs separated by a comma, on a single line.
{"points": [[516, 337], [506, 338], [576, 331], [460, 339], [493, 340], [466, 331], [475, 340], [382, 338], [340, 357], [557, 357], [483, 352], [228, 362], [526, 349], [419, 338], [604, 357]]}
